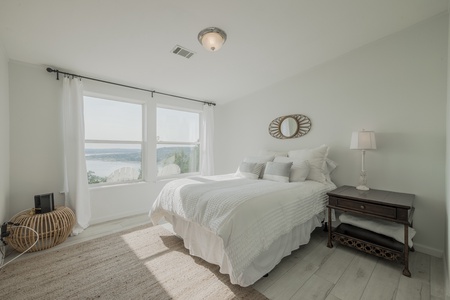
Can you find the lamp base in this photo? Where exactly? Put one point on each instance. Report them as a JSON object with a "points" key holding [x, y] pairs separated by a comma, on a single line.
{"points": [[362, 188]]}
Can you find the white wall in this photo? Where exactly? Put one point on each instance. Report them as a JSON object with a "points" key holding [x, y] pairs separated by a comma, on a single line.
{"points": [[447, 186], [4, 136], [35, 135], [36, 144], [395, 86]]}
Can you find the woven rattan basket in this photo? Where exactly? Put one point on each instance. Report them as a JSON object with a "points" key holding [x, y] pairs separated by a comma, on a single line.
{"points": [[53, 228]]}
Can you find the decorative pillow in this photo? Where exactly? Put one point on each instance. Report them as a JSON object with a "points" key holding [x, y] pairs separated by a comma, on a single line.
{"points": [[299, 169], [277, 171], [249, 170], [259, 160], [316, 158]]}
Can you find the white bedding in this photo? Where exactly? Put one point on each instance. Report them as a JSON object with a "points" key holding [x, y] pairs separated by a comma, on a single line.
{"points": [[247, 215]]}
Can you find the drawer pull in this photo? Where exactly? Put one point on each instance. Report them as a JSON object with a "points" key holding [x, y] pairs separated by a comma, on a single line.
{"points": [[362, 207]]}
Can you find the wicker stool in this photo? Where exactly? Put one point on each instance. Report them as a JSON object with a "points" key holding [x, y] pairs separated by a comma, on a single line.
{"points": [[53, 228]]}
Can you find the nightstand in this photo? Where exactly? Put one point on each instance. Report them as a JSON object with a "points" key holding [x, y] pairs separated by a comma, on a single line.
{"points": [[385, 205]]}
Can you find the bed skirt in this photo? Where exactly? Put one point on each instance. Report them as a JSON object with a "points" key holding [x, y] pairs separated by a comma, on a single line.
{"points": [[205, 244]]}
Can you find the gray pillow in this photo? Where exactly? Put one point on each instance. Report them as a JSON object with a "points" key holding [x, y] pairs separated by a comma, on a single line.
{"points": [[249, 170], [277, 171], [299, 169], [259, 160]]}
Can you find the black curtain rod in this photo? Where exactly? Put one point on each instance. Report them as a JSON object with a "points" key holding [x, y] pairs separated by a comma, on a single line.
{"points": [[50, 70]]}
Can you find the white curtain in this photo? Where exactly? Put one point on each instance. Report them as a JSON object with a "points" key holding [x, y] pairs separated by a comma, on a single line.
{"points": [[207, 165], [75, 175]]}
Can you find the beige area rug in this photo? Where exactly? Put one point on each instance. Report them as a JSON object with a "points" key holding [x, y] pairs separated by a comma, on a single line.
{"points": [[142, 263]]}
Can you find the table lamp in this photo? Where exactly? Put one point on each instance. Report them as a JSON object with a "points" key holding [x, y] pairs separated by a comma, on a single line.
{"points": [[363, 140]]}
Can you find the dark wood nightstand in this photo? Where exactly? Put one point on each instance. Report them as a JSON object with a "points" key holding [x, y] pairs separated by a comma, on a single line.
{"points": [[391, 206]]}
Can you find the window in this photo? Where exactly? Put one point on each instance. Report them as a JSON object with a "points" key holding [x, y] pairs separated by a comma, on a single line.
{"points": [[113, 140], [178, 142]]}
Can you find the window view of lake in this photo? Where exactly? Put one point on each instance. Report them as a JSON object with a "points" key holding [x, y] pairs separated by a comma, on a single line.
{"points": [[122, 164], [173, 160], [105, 168], [113, 165], [114, 141]]}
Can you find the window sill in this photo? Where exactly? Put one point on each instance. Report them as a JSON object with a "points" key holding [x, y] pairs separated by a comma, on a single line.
{"points": [[117, 184]]}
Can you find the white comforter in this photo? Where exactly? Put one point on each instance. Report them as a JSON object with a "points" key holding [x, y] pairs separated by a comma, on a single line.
{"points": [[248, 215]]}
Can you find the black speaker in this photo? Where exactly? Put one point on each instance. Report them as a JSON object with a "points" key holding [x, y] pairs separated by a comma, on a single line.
{"points": [[44, 203]]}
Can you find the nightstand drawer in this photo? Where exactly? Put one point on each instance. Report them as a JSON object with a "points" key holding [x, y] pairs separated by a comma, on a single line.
{"points": [[369, 208]]}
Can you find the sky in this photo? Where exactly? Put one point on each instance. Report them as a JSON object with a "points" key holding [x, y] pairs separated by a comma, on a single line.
{"points": [[176, 125], [112, 120], [122, 121]]}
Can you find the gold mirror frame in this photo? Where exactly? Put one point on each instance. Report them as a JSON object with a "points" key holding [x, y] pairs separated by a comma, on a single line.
{"points": [[303, 126]]}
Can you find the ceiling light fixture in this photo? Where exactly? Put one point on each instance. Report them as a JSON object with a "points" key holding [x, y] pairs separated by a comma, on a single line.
{"points": [[212, 38]]}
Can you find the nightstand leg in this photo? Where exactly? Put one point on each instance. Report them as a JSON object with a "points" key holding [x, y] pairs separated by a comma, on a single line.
{"points": [[330, 228], [406, 271]]}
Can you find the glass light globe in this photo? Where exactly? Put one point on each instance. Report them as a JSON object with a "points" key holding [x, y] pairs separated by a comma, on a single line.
{"points": [[212, 41]]}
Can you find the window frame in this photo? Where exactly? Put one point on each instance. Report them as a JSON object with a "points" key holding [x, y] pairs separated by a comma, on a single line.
{"points": [[198, 143], [143, 142]]}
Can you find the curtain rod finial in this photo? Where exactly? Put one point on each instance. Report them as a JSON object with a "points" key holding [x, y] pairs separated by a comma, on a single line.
{"points": [[50, 70]]}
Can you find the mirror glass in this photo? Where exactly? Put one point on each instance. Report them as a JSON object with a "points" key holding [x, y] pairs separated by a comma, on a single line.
{"points": [[289, 127]]}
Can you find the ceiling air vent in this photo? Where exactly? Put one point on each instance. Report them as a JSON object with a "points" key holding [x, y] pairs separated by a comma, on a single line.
{"points": [[182, 51]]}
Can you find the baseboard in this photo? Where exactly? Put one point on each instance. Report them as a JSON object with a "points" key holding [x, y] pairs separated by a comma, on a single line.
{"points": [[428, 250], [118, 216]]}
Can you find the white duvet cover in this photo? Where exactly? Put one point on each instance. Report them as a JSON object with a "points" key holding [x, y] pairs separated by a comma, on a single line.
{"points": [[247, 215]]}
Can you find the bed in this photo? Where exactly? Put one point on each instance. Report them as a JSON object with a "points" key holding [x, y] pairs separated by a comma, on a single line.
{"points": [[245, 226]]}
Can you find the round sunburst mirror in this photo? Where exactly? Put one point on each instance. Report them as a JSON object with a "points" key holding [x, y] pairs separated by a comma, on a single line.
{"points": [[289, 127]]}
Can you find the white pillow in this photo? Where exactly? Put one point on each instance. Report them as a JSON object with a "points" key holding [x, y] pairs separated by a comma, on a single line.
{"points": [[329, 168], [259, 160], [299, 170], [249, 170], [316, 158], [277, 171]]}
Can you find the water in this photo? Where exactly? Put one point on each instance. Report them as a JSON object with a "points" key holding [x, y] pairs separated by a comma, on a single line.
{"points": [[105, 168]]}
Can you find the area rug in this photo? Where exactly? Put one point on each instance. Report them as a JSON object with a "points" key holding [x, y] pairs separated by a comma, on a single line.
{"points": [[147, 262]]}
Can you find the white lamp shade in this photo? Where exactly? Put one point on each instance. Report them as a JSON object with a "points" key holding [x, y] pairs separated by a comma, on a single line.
{"points": [[212, 41], [363, 140]]}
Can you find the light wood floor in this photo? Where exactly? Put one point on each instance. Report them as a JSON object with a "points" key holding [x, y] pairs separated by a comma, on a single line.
{"points": [[341, 273], [317, 272]]}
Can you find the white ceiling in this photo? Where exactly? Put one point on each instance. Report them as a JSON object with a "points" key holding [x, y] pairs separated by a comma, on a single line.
{"points": [[130, 41]]}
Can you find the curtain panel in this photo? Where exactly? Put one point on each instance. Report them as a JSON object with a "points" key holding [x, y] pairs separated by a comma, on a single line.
{"points": [[76, 187], [207, 158]]}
